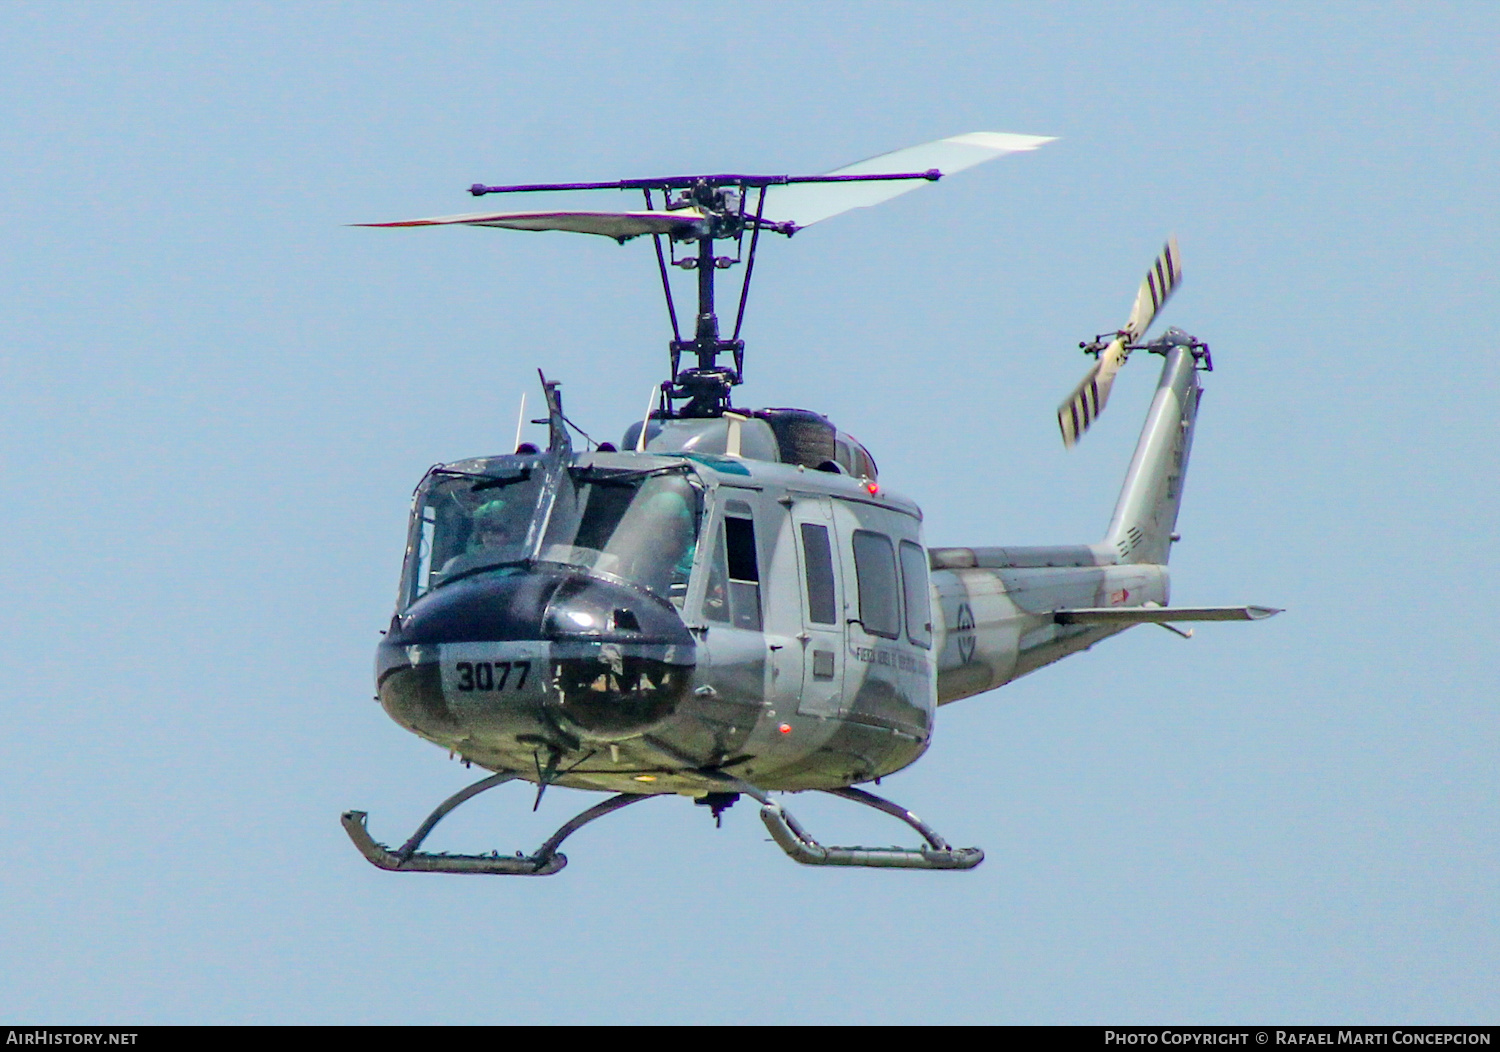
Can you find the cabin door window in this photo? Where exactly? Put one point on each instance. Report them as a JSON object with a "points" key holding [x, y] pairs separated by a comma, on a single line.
{"points": [[733, 594], [822, 617]]}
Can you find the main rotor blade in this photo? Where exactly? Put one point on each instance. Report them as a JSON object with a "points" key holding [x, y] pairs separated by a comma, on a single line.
{"points": [[808, 203], [1083, 406], [618, 225]]}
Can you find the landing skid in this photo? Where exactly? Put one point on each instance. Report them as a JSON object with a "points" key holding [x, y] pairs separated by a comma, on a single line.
{"points": [[788, 833], [796, 842], [543, 862]]}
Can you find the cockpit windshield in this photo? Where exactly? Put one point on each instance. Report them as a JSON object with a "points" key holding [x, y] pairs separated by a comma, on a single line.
{"points": [[467, 521], [639, 526]]}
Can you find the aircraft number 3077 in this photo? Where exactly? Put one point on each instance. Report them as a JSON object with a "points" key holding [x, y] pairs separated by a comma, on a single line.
{"points": [[490, 675]]}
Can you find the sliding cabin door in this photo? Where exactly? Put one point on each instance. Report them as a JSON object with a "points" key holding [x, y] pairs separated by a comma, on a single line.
{"points": [[822, 604]]}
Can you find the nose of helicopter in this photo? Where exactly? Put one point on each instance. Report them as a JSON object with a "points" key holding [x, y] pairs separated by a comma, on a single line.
{"points": [[504, 655]]}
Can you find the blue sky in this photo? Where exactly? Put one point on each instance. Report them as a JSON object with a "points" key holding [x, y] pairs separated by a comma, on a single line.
{"points": [[220, 397]]}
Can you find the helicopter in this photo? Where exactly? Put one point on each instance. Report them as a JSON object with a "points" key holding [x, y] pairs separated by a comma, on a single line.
{"points": [[730, 602]]}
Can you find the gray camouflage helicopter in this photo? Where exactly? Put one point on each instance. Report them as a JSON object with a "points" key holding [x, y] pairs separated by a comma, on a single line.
{"points": [[731, 603]]}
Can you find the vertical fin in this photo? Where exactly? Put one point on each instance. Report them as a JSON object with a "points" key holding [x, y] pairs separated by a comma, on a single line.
{"points": [[1146, 513]]}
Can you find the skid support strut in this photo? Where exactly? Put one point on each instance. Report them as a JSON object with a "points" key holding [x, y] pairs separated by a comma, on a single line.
{"points": [[543, 862], [546, 860]]}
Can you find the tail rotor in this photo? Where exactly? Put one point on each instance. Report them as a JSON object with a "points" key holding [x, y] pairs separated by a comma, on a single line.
{"points": [[1081, 408]]}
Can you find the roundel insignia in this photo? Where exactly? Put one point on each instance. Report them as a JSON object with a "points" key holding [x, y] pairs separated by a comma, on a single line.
{"points": [[964, 627]]}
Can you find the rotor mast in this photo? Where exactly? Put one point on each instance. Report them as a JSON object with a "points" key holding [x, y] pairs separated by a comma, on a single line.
{"points": [[716, 205]]}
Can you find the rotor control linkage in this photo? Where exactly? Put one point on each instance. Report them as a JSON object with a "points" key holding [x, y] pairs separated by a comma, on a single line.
{"points": [[543, 862]]}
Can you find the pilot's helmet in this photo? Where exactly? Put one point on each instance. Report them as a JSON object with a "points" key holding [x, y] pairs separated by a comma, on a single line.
{"points": [[670, 506], [490, 513], [490, 517]]}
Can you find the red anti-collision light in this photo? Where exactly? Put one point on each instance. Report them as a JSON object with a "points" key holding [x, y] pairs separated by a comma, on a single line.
{"points": [[785, 728], [872, 487]]}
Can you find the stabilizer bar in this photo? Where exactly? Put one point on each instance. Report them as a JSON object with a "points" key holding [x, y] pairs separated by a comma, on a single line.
{"points": [[684, 182]]}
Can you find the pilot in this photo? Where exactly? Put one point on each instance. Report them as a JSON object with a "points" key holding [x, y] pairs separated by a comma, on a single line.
{"points": [[492, 528], [491, 531], [670, 559]]}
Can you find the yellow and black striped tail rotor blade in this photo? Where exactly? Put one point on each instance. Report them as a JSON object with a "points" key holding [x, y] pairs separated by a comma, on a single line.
{"points": [[1161, 280], [1083, 406]]}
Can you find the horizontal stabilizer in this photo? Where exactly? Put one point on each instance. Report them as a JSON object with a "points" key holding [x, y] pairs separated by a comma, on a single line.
{"points": [[618, 225], [1160, 615]]}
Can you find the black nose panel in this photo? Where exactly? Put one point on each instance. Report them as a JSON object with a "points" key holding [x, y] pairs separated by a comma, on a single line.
{"points": [[589, 608], [493, 607], [618, 659], [541, 604], [413, 696]]}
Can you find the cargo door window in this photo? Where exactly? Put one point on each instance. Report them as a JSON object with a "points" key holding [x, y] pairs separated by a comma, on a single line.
{"points": [[918, 597], [875, 568]]}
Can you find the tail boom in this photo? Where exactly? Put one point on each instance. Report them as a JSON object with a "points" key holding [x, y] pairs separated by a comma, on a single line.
{"points": [[1005, 612], [997, 609]]}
